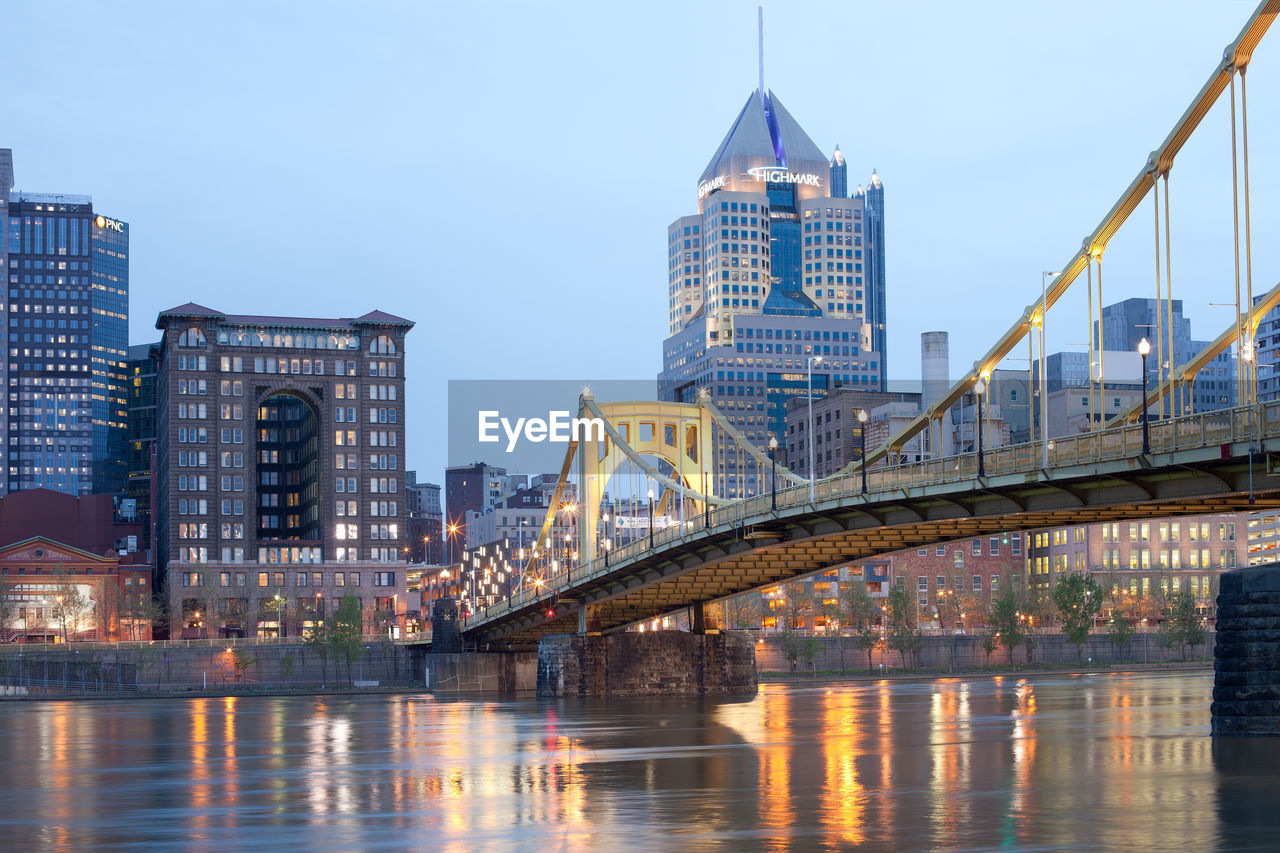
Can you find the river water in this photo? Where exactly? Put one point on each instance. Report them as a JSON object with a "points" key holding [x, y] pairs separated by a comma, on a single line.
{"points": [[1105, 762]]}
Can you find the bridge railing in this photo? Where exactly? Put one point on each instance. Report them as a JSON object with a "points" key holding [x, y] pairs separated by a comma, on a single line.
{"points": [[1189, 432]]}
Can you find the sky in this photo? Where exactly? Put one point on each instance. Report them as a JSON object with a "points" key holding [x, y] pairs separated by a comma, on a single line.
{"points": [[503, 173]]}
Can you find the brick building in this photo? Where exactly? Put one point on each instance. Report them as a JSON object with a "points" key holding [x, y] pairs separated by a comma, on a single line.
{"points": [[280, 467], [56, 548]]}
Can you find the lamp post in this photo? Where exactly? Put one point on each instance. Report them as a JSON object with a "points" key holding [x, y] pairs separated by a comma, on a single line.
{"points": [[1144, 347], [773, 473], [862, 441], [980, 388], [651, 519], [812, 360]]}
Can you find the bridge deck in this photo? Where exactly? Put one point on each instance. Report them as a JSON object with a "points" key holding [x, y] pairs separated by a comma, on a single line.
{"points": [[1198, 464]]}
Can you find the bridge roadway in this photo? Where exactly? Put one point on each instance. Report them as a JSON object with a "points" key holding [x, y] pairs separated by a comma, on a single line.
{"points": [[1197, 464]]}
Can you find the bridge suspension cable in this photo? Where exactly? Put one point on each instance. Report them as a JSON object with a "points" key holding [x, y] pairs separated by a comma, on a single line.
{"points": [[1236, 55]]}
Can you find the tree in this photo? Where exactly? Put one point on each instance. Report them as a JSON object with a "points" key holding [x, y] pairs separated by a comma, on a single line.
{"points": [[796, 646], [242, 659], [743, 611], [798, 606], [346, 632], [9, 610], [320, 641], [1007, 622], [1078, 599], [990, 642], [901, 634], [1120, 628], [1183, 625], [70, 604]]}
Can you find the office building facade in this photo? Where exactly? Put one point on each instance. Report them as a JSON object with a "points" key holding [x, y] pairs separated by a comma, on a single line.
{"points": [[67, 316], [768, 283], [280, 444]]}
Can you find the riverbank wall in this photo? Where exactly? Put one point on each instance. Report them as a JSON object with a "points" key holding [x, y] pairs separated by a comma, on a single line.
{"points": [[965, 651], [48, 670]]}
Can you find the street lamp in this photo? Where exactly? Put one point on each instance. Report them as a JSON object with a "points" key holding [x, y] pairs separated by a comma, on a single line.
{"points": [[1144, 347], [862, 441], [980, 388], [812, 360], [651, 519], [773, 473]]}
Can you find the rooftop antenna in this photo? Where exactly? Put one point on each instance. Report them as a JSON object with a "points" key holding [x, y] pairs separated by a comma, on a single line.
{"points": [[779, 151], [760, 11]]}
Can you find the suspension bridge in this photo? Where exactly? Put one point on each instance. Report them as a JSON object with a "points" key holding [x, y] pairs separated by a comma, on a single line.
{"points": [[1158, 458]]}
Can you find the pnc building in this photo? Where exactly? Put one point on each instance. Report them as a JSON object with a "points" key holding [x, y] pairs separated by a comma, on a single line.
{"points": [[67, 316], [279, 470], [777, 269]]}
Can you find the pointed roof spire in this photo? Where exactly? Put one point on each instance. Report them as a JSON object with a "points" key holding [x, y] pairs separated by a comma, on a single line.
{"points": [[875, 180], [837, 159]]}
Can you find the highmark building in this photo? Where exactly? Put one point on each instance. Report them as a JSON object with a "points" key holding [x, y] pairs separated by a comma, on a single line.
{"points": [[777, 268], [67, 316]]}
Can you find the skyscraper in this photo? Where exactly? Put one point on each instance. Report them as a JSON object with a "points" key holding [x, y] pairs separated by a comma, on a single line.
{"points": [[770, 280], [67, 316]]}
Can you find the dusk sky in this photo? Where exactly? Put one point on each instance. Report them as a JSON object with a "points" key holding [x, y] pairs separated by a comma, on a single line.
{"points": [[503, 173]]}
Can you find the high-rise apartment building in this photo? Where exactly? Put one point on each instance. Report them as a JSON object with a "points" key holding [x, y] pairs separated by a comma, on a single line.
{"points": [[770, 281], [280, 466], [67, 315]]}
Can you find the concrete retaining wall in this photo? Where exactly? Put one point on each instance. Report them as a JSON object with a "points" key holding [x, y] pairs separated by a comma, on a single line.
{"points": [[653, 663], [965, 651], [271, 665]]}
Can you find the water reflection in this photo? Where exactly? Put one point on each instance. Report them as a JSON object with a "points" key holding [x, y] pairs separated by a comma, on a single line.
{"points": [[1108, 762]]}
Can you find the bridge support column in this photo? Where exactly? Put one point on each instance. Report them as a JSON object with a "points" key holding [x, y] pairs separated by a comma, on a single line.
{"points": [[702, 618], [588, 621], [652, 663], [446, 630], [1246, 680]]}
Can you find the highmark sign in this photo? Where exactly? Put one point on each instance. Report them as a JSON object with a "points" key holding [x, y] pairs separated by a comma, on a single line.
{"points": [[779, 175], [711, 185]]}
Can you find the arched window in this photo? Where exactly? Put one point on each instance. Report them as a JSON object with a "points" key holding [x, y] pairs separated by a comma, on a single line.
{"points": [[222, 337], [279, 340], [333, 342], [259, 340], [311, 341], [382, 345], [191, 338]]}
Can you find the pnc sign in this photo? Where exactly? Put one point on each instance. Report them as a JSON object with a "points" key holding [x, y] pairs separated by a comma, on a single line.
{"points": [[110, 224], [779, 175]]}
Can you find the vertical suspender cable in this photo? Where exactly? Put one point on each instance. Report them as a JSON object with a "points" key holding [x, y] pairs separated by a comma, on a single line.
{"points": [[1168, 273], [1155, 188], [1251, 389], [1235, 225], [1092, 339], [1102, 358]]}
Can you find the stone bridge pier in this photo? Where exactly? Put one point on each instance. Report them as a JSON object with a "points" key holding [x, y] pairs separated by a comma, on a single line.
{"points": [[702, 662], [1246, 655]]}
